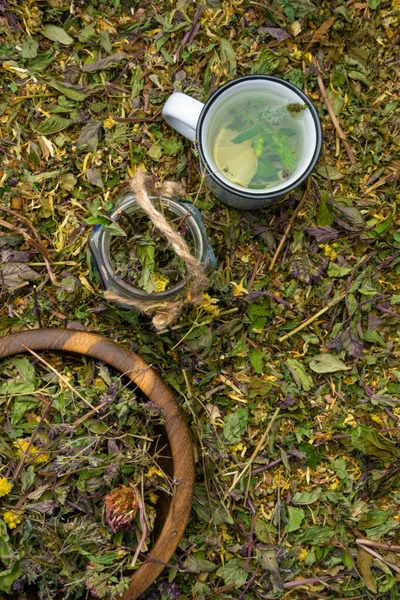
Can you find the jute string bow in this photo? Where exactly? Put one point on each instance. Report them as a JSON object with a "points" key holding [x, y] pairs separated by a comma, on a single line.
{"points": [[165, 313]]}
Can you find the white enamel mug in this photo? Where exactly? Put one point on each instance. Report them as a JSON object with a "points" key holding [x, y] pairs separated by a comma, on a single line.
{"points": [[193, 119]]}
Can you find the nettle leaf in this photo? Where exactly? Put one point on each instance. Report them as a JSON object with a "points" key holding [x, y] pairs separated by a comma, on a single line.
{"points": [[327, 363], [335, 270], [25, 367], [256, 360], [57, 34], [194, 564], [228, 58], [89, 137], [104, 63], [304, 498], [315, 534], [29, 47], [368, 441], [299, 373], [233, 572], [295, 518], [8, 576], [268, 560], [13, 274], [235, 425], [53, 125]]}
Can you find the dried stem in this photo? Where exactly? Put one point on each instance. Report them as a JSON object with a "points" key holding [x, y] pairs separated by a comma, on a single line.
{"points": [[255, 453], [313, 318], [332, 114], [142, 525], [290, 224]]}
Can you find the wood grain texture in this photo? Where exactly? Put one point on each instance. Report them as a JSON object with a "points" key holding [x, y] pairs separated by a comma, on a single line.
{"points": [[131, 365]]}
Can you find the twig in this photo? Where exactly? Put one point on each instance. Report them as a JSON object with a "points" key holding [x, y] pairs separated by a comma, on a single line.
{"points": [[142, 525], [379, 557], [67, 383], [255, 453], [251, 536], [313, 318], [332, 114], [290, 224], [387, 547]]}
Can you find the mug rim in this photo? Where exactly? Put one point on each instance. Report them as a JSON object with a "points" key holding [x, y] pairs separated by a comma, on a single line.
{"points": [[260, 194]]}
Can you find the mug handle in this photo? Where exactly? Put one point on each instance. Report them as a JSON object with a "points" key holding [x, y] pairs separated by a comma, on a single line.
{"points": [[182, 112]]}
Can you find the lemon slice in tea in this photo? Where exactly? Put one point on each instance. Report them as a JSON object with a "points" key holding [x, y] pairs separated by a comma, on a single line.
{"points": [[236, 161]]}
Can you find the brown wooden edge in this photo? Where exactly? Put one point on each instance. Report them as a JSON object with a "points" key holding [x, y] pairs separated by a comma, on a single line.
{"points": [[100, 348]]}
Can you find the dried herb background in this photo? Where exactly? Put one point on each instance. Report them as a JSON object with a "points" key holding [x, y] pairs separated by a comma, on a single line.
{"points": [[288, 373]]}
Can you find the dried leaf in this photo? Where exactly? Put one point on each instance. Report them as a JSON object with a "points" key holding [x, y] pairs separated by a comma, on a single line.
{"points": [[364, 563], [57, 34], [327, 363], [53, 125], [104, 63]]}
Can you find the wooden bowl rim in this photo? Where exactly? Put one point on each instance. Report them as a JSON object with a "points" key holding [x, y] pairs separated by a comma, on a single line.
{"points": [[131, 365]]}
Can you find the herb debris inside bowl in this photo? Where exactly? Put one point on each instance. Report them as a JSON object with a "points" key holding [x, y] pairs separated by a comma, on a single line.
{"points": [[79, 477]]}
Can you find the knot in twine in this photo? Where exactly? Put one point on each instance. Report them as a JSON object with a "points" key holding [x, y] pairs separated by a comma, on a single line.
{"points": [[165, 313]]}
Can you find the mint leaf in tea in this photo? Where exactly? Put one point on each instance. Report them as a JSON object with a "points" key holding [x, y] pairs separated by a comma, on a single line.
{"points": [[258, 141]]}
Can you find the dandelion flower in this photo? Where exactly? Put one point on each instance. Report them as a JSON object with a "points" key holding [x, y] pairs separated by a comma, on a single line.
{"points": [[109, 123], [12, 519], [33, 452], [5, 486]]}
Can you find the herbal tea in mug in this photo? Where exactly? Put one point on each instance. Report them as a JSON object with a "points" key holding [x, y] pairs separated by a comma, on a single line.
{"points": [[258, 138], [257, 142]]}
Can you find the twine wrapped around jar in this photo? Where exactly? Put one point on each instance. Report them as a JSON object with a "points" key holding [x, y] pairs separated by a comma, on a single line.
{"points": [[165, 313]]}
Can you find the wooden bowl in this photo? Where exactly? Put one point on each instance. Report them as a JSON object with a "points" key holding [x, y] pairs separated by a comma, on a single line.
{"points": [[172, 512]]}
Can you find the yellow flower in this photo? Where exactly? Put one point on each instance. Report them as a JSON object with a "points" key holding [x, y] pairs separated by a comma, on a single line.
{"points": [[12, 519], [329, 251], [160, 282], [5, 486], [208, 304], [302, 555], [239, 289], [153, 498], [22, 445], [109, 123]]}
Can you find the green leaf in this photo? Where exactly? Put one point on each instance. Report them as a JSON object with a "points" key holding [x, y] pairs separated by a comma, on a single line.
{"points": [[155, 151], [247, 135], [8, 577], [373, 518], [104, 63], [69, 92], [53, 125], [29, 47], [57, 34], [377, 533], [25, 368], [368, 441], [327, 363], [195, 564], [374, 338], [329, 172], [88, 139], [20, 407], [171, 146], [235, 425], [266, 169], [256, 360], [228, 58], [304, 498], [233, 572], [335, 270], [299, 373], [315, 535], [17, 387], [295, 518]]}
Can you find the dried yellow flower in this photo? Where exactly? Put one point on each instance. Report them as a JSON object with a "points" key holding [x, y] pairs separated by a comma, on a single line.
{"points": [[22, 446], [5, 486], [12, 519]]}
